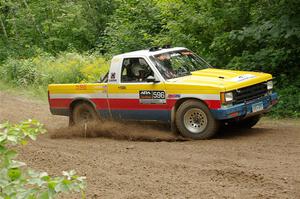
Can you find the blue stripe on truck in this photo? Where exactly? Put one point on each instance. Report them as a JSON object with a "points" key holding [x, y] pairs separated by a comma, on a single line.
{"points": [[158, 115]]}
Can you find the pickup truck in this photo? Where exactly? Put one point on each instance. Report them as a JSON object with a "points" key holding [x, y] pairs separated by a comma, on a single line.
{"points": [[172, 85]]}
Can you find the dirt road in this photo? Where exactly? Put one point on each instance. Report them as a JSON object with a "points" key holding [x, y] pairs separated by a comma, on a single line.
{"points": [[263, 162]]}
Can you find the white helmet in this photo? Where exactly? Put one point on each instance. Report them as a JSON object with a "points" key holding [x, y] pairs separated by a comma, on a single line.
{"points": [[136, 69]]}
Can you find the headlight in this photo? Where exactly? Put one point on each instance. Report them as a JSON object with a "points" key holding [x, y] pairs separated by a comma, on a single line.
{"points": [[228, 97], [270, 85]]}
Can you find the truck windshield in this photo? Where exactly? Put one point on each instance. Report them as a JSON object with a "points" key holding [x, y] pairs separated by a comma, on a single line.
{"points": [[178, 63]]}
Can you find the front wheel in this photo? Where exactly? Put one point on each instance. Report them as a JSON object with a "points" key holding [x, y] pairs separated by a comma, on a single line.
{"points": [[194, 120]]}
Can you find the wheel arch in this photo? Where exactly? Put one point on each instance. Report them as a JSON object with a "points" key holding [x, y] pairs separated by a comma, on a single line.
{"points": [[81, 99], [76, 101], [180, 101]]}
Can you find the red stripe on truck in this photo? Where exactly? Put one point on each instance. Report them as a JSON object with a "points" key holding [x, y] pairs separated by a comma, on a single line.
{"points": [[60, 103], [128, 104]]}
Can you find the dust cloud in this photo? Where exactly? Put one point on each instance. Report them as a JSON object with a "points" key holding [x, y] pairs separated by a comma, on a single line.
{"points": [[119, 131]]}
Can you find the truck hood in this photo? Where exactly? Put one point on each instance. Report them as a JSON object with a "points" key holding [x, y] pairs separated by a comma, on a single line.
{"points": [[226, 79]]}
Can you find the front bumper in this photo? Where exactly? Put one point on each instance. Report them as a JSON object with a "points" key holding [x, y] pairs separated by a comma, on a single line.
{"points": [[245, 109]]}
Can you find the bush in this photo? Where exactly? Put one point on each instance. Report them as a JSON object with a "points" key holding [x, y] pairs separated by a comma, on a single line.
{"points": [[288, 103], [16, 181], [45, 69]]}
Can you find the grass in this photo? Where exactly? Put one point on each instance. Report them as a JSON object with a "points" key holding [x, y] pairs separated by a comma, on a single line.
{"points": [[31, 76], [29, 92]]}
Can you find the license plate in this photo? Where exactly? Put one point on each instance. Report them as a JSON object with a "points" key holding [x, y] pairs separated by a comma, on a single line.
{"points": [[257, 107]]}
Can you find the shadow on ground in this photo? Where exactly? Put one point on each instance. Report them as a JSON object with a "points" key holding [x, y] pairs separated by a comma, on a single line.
{"points": [[232, 132]]}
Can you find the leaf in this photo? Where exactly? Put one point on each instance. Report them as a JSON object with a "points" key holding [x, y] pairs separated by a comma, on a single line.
{"points": [[24, 142], [36, 181], [61, 188], [11, 154], [2, 149], [51, 185], [33, 137], [14, 173], [3, 137], [44, 195], [16, 164]]}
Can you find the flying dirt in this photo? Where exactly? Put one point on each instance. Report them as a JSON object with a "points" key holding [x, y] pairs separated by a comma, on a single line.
{"points": [[147, 161], [119, 131]]}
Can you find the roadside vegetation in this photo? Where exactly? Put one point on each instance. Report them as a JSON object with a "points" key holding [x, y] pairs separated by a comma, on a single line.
{"points": [[44, 42], [18, 181], [35, 73]]}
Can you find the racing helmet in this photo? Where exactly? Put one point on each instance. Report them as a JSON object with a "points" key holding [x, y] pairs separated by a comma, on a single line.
{"points": [[136, 69]]}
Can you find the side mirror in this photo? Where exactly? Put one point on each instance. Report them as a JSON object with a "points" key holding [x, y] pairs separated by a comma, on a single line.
{"points": [[152, 79]]}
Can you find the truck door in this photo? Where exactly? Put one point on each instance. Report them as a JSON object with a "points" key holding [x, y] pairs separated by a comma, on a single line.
{"points": [[132, 97]]}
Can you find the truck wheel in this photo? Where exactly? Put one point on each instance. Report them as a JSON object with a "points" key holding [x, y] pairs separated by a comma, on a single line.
{"points": [[83, 113], [249, 122], [194, 120]]}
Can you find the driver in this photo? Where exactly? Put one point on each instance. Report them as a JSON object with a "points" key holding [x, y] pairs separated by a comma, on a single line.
{"points": [[139, 70], [165, 65], [165, 59]]}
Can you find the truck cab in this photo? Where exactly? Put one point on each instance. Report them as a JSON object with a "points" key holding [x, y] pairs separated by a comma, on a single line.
{"points": [[172, 85]]}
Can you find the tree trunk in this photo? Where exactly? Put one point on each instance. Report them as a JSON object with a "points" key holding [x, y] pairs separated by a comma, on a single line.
{"points": [[3, 28], [35, 23]]}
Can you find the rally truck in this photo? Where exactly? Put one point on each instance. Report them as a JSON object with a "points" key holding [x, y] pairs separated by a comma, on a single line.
{"points": [[172, 85]]}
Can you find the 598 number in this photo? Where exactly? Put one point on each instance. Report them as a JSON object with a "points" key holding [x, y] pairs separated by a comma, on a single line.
{"points": [[158, 95]]}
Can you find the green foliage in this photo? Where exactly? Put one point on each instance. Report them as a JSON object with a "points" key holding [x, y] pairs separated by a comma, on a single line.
{"points": [[45, 69], [262, 35], [27, 26], [16, 181], [244, 35], [289, 103], [134, 25]]}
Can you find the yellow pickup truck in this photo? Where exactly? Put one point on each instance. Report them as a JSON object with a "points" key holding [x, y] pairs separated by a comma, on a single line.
{"points": [[171, 85]]}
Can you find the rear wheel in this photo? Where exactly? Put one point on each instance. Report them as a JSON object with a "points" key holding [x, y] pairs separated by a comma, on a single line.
{"points": [[83, 113], [194, 120]]}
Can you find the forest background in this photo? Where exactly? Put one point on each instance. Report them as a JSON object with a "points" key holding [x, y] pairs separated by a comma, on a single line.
{"points": [[68, 41]]}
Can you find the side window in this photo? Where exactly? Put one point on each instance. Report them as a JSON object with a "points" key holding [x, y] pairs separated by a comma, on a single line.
{"points": [[135, 70]]}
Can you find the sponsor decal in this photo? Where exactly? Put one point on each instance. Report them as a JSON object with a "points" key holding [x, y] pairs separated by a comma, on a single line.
{"points": [[80, 87], [113, 77], [152, 97], [173, 96], [242, 78]]}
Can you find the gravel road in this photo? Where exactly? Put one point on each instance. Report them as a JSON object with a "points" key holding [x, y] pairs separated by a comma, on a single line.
{"points": [[263, 162]]}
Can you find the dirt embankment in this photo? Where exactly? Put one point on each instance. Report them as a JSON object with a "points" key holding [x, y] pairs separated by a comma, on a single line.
{"points": [[263, 162]]}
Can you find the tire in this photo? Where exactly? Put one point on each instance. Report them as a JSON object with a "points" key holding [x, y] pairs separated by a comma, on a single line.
{"points": [[194, 120], [248, 122], [83, 113]]}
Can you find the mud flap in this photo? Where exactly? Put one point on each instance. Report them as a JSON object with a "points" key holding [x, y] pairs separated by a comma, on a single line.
{"points": [[174, 128]]}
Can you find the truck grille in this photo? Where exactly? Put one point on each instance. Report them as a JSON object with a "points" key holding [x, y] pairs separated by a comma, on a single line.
{"points": [[249, 93]]}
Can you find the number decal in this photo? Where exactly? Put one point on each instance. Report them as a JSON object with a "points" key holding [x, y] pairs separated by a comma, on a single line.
{"points": [[152, 97], [158, 94]]}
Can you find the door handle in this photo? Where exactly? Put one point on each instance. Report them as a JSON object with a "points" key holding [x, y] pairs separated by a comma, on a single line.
{"points": [[122, 87]]}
